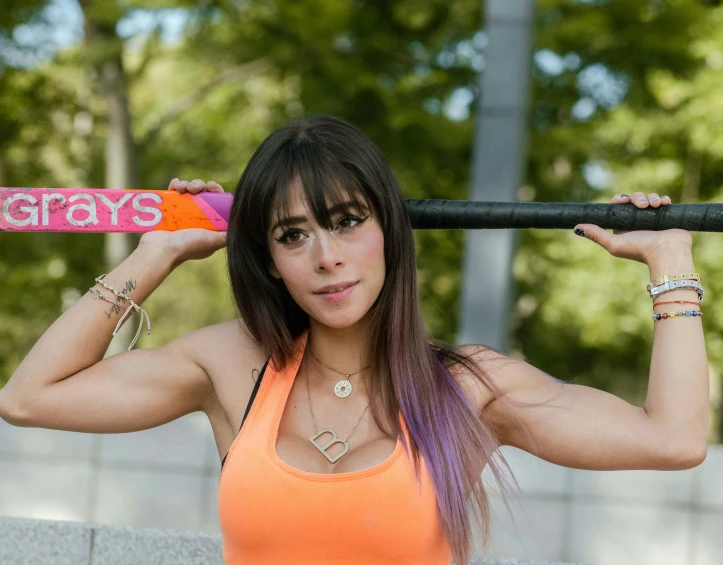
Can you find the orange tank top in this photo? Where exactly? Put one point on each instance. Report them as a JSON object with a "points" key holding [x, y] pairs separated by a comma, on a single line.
{"points": [[272, 513]]}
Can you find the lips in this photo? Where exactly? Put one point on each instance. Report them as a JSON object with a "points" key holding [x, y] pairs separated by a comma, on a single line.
{"points": [[337, 295], [331, 289]]}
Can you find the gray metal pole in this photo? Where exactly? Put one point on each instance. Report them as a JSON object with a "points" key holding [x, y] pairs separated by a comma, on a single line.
{"points": [[498, 164]]}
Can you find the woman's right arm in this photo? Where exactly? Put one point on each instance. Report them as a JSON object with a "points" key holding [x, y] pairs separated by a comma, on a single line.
{"points": [[64, 383]]}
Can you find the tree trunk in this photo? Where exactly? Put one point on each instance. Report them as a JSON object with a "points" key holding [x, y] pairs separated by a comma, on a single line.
{"points": [[121, 167]]}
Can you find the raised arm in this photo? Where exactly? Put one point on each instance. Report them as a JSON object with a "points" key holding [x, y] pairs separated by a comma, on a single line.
{"points": [[64, 382], [581, 427]]}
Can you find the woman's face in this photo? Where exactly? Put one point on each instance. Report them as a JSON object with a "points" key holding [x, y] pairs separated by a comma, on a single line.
{"points": [[307, 258]]}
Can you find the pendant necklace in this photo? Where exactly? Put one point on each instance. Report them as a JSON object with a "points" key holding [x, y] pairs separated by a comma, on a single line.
{"points": [[343, 388], [335, 438]]}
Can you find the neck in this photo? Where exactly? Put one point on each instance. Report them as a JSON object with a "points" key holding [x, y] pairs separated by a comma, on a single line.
{"points": [[343, 349]]}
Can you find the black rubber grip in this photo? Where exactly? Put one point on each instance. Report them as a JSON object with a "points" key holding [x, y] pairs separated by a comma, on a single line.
{"points": [[471, 214]]}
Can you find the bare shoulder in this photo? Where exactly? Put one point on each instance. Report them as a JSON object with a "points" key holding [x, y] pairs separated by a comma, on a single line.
{"points": [[226, 350], [232, 333], [229, 355], [499, 368]]}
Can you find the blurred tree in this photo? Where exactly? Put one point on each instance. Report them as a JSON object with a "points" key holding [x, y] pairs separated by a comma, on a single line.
{"points": [[623, 101], [404, 72], [41, 144], [97, 136]]}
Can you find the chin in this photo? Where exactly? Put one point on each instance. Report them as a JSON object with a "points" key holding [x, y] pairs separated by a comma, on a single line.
{"points": [[338, 318], [338, 322]]}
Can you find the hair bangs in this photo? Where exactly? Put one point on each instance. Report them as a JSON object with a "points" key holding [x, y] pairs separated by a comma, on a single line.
{"points": [[326, 185]]}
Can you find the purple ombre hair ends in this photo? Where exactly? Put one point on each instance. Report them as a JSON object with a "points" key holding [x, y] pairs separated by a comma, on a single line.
{"points": [[335, 161]]}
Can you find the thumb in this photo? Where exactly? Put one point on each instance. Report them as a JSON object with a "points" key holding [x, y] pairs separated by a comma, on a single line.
{"points": [[594, 233]]}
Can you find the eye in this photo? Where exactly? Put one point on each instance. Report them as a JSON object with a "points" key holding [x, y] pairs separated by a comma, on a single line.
{"points": [[293, 237], [351, 218], [287, 240]]}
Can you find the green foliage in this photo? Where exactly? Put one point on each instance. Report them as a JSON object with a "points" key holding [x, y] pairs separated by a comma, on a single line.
{"points": [[581, 314]]}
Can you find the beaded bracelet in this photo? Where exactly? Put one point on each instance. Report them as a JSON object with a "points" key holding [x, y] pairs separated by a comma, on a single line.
{"points": [[676, 314], [129, 310]]}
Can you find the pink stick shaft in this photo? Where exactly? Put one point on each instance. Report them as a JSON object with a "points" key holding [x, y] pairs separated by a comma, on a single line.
{"points": [[109, 210]]}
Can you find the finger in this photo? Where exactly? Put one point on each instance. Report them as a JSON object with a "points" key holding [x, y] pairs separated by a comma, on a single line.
{"points": [[620, 199], [172, 184], [639, 199], [196, 186], [218, 238], [595, 233], [666, 199], [213, 186], [654, 200], [181, 186]]}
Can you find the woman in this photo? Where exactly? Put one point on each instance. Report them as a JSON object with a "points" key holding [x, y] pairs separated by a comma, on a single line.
{"points": [[365, 439]]}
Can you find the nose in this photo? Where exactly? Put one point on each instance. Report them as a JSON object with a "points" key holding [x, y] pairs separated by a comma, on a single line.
{"points": [[328, 250]]}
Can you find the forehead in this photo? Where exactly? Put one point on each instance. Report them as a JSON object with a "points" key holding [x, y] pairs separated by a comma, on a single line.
{"points": [[292, 205], [296, 200]]}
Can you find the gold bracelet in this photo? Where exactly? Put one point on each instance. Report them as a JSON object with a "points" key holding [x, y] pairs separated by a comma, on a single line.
{"points": [[666, 278]]}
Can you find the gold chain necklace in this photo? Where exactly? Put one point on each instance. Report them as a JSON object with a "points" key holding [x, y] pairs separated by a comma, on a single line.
{"points": [[343, 388], [335, 438]]}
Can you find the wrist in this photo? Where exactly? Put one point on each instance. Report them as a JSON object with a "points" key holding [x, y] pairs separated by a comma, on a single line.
{"points": [[671, 260], [160, 256]]}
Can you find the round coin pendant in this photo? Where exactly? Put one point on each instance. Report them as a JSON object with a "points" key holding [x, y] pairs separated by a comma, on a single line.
{"points": [[342, 389]]}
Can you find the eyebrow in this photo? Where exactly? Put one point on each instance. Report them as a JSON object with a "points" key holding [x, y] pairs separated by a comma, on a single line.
{"points": [[333, 210]]}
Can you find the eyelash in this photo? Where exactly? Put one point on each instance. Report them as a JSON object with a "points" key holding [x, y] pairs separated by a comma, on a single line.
{"points": [[284, 239]]}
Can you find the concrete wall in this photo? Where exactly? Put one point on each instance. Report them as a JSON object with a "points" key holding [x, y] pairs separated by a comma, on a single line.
{"points": [[167, 478], [45, 542]]}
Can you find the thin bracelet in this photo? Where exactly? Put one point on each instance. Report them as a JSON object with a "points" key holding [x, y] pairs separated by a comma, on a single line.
{"points": [[128, 310], [98, 294], [675, 302]]}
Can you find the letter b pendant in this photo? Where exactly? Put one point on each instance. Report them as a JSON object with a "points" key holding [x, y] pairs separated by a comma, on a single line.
{"points": [[332, 442]]}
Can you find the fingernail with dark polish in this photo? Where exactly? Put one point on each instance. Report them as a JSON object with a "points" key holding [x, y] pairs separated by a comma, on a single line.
{"points": [[580, 232], [624, 196]]}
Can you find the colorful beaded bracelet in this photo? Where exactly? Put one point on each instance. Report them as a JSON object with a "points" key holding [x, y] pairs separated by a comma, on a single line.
{"points": [[676, 314]]}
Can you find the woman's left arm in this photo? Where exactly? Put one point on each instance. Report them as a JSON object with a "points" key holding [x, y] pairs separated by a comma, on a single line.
{"points": [[582, 427]]}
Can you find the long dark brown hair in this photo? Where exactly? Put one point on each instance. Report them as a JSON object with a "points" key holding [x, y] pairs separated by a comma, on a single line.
{"points": [[334, 161]]}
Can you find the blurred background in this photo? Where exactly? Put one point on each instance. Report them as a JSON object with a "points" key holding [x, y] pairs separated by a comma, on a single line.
{"points": [[618, 96]]}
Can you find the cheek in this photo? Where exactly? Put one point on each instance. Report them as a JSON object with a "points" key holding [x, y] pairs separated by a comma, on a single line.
{"points": [[376, 253], [371, 256], [292, 271]]}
